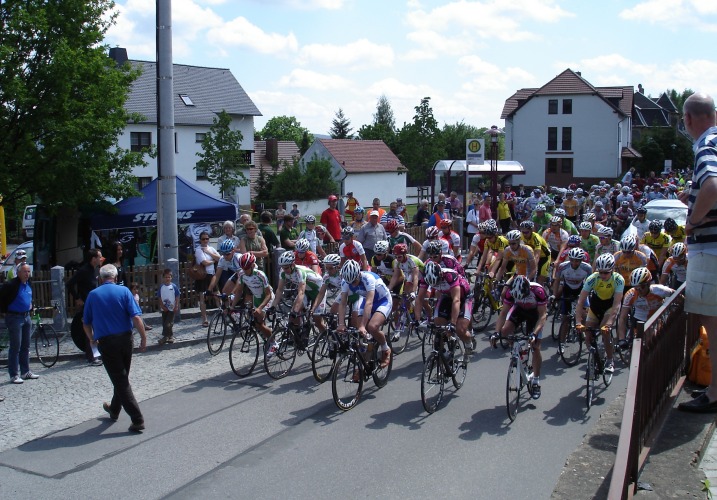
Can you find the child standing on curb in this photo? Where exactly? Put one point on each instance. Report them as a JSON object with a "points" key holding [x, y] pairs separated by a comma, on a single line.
{"points": [[169, 302], [134, 288]]}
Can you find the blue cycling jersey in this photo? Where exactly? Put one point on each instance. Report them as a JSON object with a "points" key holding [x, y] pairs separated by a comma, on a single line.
{"points": [[369, 282]]}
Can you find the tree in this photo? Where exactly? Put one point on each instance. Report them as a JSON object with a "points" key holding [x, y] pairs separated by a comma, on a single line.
{"points": [[419, 144], [286, 128], [341, 126], [454, 139], [62, 104], [305, 143], [383, 127], [305, 181], [222, 156]]}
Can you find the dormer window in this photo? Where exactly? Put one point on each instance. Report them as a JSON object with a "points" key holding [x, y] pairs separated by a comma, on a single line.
{"points": [[186, 100]]}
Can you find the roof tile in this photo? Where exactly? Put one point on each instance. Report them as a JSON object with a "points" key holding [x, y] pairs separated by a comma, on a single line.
{"points": [[362, 156]]}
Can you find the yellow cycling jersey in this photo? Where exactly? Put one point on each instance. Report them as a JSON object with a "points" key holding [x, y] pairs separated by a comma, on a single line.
{"points": [[604, 289], [498, 246], [657, 243], [625, 263], [535, 242], [678, 235], [519, 257]]}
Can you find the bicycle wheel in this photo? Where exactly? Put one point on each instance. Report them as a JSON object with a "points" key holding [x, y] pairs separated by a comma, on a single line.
{"points": [[347, 381], [590, 377], [244, 352], [459, 365], [432, 382], [482, 313], [311, 342], [280, 354], [625, 353], [513, 386], [323, 356], [606, 376], [427, 344], [572, 347], [400, 332], [380, 375], [47, 345], [555, 328], [217, 332]]}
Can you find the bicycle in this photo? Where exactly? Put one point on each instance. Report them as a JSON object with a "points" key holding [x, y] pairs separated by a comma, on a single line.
{"points": [[520, 368], [244, 346], [486, 300], [357, 361], [327, 343], [400, 324], [289, 341], [572, 343], [595, 367], [447, 360], [625, 353], [218, 324], [47, 341]]}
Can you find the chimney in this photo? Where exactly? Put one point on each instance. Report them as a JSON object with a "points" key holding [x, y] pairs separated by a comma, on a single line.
{"points": [[579, 73], [640, 89], [272, 150], [119, 55]]}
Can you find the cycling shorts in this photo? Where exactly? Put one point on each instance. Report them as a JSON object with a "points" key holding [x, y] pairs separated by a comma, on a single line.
{"points": [[543, 266], [382, 306], [598, 308], [517, 315], [569, 296], [444, 308]]}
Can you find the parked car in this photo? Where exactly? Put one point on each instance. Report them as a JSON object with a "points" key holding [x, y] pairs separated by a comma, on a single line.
{"points": [[28, 221], [10, 261], [661, 210]]}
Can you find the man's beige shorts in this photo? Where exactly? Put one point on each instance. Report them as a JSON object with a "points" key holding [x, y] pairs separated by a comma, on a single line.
{"points": [[701, 289]]}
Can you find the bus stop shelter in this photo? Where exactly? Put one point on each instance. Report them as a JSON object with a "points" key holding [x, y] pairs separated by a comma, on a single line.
{"points": [[452, 175]]}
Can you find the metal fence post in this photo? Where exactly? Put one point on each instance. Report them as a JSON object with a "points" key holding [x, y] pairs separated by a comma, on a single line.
{"points": [[57, 289]]}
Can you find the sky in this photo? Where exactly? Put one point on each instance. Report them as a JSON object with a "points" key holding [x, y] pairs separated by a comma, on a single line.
{"points": [[308, 58]]}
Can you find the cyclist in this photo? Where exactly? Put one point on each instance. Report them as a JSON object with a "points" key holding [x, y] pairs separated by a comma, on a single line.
{"points": [[588, 241], [676, 263], [571, 206], [556, 236], [541, 250], [565, 223], [644, 296], [310, 235], [674, 231], [493, 250], [372, 308], [640, 222], [308, 283], [432, 233], [541, 220], [444, 260], [358, 221], [607, 244], [527, 301], [453, 239], [330, 290], [383, 264], [351, 249], [229, 262], [600, 213], [573, 242], [305, 257], [658, 242], [258, 285], [622, 216], [396, 236], [629, 258], [518, 254], [477, 244], [605, 289], [569, 279], [409, 265], [454, 301]]}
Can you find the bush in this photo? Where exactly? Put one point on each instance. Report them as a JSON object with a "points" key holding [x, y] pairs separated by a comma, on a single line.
{"points": [[311, 181]]}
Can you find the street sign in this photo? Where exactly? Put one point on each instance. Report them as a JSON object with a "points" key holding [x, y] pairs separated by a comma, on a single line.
{"points": [[474, 151]]}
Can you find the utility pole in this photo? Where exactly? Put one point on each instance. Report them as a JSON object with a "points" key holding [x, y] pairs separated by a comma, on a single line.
{"points": [[167, 238]]}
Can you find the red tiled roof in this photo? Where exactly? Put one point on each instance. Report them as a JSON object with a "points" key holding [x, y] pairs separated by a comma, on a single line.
{"points": [[628, 152], [287, 151], [362, 156]]}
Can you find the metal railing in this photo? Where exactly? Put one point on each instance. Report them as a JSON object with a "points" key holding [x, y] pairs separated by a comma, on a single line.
{"points": [[660, 352]]}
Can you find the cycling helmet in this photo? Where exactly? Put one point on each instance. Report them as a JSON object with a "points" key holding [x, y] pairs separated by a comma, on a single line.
{"points": [[573, 240], [556, 220], [287, 258], [569, 192], [359, 210], [527, 224], [677, 250], [434, 249], [625, 203], [490, 230], [333, 259], [605, 232], [381, 247], [401, 249], [247, 261], [549, 203], [576, 253], [391, 226], [347, 233], [640, 276], [605, 262], [540, 207], [670, 224], [446, 224], [302, 245], [320, 229], [641, 210], [310, 219], [514, 235], [628, 243], [579, 191], [559, 212], [350, 271], [655, 226], [432, 232], [585, 226], [598, 204], [625, 189], [432, 273], [226, 247], [590, 216], [491, 223], [520, 287]]}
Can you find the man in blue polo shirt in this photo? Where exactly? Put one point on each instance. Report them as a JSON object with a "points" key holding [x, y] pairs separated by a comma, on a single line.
{"points": [[18, 322], [109, 314]]}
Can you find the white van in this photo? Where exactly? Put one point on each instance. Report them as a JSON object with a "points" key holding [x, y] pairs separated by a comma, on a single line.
{"points": [[28, 222]]}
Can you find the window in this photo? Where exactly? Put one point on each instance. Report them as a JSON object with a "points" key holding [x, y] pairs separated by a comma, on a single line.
{"points": [[186, 100], [553, 107], [201, 173], [140, 141], [552, 138], [566, 166], [567, 138], [551, 165], [567, 106], [141, 182], [199, 137]]}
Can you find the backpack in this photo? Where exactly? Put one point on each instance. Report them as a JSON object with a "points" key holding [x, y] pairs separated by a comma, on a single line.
{"points": [[8, 292], [700, 367]]}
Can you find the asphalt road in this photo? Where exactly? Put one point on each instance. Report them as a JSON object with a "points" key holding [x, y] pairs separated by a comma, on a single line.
{"points": [[222, 437]]}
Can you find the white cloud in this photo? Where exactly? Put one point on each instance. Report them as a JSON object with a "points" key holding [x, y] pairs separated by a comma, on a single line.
{"points": [[433, 45], [360, 54], [673, 14], [482, 75], [306, 79], [239, 32]]}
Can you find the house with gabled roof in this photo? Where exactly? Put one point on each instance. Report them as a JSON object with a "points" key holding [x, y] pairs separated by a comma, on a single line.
{"points": [[271, 156], [368, 169], [648, 112], [200, 94], [569, 131]]}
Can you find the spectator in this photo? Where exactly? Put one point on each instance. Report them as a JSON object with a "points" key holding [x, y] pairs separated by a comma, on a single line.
{"points": [[401, 208], [376, 205], [267, 232], [279, 213], [206, 256], [288, 234], [331, 218], [504, 217], [243, 219], [351, 204], [134, 288], [484, 210], [168, 294], [17, 297], [627, 178], [392, 214], [371, 233], [446, 205], [20, 258], [79, 287], [438, 213], [228, 228], [473, 218], [116, 253], [254, 243], [109, 315], [295, 211], [422, 214], [456, 205]]}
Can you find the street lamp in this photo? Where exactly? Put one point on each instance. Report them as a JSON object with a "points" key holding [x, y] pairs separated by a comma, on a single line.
{"points": [[494, 133]]}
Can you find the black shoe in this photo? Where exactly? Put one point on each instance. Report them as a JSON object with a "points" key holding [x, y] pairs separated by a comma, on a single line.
{"points": [[113, 416], [95, 362], [699, 392], [700, 404], [136, 427]]}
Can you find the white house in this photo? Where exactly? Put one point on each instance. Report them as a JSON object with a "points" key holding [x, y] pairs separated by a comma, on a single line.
{"points": [[200, 94], [569, 131], [369, 169]]}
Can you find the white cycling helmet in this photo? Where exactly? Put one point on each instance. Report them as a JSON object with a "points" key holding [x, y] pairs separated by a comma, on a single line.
{"points": [[585, 226], [605, 262], [350, 271], [432, 273], [332, 259], [302, 245], [678, 249], [639, 276], [287, 258], [576, 253], [628, 243], [514, 235], [381, 247], [520, 287], [432, 232]]}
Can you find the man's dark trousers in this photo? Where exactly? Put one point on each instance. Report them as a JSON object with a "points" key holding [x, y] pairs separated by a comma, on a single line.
{"points": [[117, 356]]}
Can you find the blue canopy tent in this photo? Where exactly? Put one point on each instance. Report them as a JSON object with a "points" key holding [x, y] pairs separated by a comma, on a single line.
{"points": [[193, 206]]}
